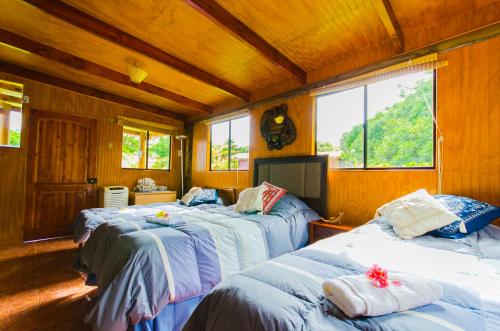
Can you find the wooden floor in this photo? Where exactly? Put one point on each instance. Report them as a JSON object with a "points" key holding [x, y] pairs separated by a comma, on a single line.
{"points": [[39, 290]]}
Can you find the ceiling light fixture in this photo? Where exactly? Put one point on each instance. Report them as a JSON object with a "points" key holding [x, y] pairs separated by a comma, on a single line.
{"points": [[136, 74]]}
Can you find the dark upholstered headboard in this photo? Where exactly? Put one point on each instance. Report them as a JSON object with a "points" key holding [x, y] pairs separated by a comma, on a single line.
{"points": [[303, 176]]}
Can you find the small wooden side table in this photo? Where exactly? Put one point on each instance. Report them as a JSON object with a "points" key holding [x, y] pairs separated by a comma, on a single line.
{"points": [[320, 230], [143, 198]]}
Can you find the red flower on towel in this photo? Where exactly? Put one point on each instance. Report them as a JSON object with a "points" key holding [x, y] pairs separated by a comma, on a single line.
{"points": [[378, 276]]}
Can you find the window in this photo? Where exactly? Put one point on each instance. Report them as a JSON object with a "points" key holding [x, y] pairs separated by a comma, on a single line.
{"points": [[11, 96], [142, 149], [387, 124], [229, 144]]}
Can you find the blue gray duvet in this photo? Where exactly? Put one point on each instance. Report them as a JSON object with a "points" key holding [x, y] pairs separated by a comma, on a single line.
{"points": [[89, 219], [141, 267], [285, 293]]}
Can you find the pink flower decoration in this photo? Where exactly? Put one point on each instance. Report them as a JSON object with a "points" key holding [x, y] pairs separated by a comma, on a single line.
{"points": [[378, 276]]}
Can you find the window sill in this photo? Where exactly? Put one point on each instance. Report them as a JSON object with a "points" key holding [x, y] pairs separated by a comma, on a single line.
{"points": [[383, 170], [10, 147], [143, 169]]}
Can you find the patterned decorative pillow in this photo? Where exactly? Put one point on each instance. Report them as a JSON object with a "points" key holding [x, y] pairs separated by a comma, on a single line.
{"points": [[472, 215], [270, 196], [206, 195]]}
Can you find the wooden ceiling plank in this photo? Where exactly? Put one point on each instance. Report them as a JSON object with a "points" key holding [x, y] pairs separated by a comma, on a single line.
{"points": [[465, 39], [386, 14], [9, 98], [83, 89], [95, 69], [11, 87], [104, 30], [5, 107], [224, 18]]}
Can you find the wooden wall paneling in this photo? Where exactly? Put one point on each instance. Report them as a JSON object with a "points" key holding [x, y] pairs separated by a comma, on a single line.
{"points": [[469, 116], [468, 113], [358, 194], [39, 63], [83, 89], [12, 177], [299, 112], [109, 172]]}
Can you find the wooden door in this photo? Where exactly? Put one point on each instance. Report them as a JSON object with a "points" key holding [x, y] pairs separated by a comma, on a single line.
{"points": [[61, 161]]}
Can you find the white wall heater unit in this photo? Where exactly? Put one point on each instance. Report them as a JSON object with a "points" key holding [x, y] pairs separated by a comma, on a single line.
{"points": [[113, 196]]}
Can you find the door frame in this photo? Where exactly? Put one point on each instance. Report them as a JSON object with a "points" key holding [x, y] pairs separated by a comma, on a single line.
{"points": [[31, 143]]}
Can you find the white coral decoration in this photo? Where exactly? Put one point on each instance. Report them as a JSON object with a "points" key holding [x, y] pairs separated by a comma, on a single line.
{"points": [[145, 185]]}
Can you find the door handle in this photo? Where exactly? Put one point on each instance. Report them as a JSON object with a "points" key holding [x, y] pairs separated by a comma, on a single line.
{"points": [[91, 180]]}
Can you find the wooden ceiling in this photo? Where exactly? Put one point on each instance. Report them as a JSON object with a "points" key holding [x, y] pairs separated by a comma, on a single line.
{"points": [[200, 53]]}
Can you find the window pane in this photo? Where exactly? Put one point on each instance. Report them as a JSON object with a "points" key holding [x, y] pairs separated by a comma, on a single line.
{"points": [[11, 96], [240, 142], [15, 119], [340, 132], [159, 151], [132, 156], [219, 146], [400, 126]]}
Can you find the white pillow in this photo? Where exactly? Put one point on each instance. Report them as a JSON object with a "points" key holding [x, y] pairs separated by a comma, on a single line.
{"points": [[416, 214], [186, 198], [250, 200]]}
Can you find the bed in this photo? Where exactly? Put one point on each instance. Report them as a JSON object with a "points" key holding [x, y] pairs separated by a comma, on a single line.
{"points": [[285, 293], [153, 278], [89, 219]]}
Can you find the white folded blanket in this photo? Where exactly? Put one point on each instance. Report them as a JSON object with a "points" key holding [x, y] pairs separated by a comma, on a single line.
{"points": [[171, 220], [139, 211], [356, 295]]}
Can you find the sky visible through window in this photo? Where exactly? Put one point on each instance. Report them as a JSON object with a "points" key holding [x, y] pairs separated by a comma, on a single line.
{"points": [[15, 121], [239, 131], [229, 146]]}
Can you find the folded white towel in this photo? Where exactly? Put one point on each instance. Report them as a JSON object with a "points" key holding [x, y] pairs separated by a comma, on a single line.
{"points": [[356, 295]]}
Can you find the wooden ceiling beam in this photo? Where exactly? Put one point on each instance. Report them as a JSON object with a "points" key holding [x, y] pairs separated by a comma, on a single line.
{"points": [[224, 18], [106, 31], [386, 14], [83, 89], [95, 69], [465, 39]]}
